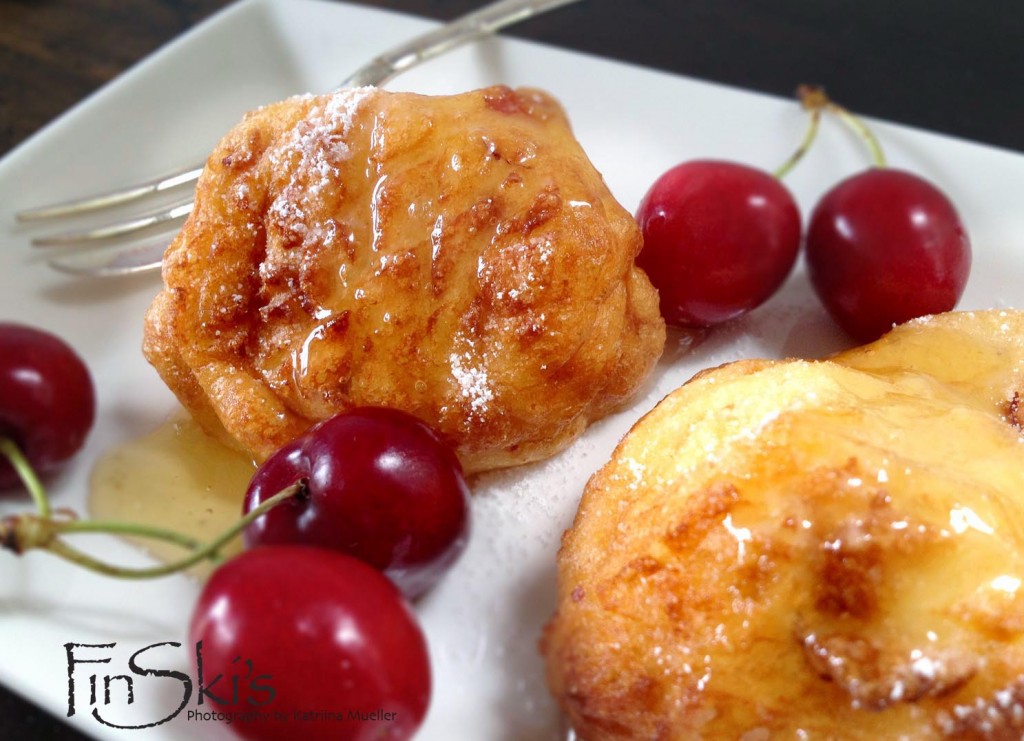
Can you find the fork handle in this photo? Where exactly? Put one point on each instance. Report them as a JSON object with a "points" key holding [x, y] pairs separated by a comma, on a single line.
{"points": [[473, 25]]}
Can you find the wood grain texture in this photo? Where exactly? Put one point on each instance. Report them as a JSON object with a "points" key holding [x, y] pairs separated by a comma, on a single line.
{"points": [[943, 66], [53, 53]]}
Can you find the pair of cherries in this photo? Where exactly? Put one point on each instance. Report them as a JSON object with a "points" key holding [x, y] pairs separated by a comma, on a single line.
{"points": [[882, 247], [379, 495]]}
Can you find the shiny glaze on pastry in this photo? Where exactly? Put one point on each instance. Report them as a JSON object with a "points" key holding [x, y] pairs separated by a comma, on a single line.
{"points": [[457, 257], [797, 549]]}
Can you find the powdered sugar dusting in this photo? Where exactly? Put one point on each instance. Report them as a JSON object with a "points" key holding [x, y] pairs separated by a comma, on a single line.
{"points": [[313, 152], [471, 379]]}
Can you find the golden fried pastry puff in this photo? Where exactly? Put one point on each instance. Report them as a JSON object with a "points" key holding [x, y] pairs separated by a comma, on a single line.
{"points": [[456, 257], [790, 550]]}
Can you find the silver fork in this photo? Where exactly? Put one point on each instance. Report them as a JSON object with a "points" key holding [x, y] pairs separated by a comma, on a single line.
{"points": [[89, 260]]}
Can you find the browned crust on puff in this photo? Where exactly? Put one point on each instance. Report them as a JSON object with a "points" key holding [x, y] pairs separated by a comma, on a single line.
{"points": [[833, 549], [457, 257]]}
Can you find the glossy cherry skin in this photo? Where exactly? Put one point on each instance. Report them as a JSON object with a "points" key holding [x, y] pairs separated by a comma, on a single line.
{"points": [[47, 401], [295, 629], [380, 486], [885, 246], [719, 240]]}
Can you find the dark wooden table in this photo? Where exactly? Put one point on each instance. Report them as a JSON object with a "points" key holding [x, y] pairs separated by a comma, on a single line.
{"points": [[944, 65]]}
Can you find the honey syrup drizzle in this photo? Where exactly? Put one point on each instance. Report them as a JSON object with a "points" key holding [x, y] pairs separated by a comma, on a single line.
{"points": [[178, 478]]}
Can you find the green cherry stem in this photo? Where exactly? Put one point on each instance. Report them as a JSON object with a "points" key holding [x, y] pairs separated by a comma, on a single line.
{"points": [[28, 476], [814, 100], [210, 550], [805, 145], [37, 491], [41, 530], [126, 528], [862, 130]]}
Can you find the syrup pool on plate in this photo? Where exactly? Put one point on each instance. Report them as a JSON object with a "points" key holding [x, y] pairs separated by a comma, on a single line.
{"points": [[176, 477]]}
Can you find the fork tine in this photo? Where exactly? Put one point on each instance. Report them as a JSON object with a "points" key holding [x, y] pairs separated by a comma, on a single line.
{"points": [[141, 257], [480, 22], [113, 198], [109, 263], [85, 237]]}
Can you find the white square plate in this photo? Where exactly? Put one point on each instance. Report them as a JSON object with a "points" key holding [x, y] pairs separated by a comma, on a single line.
{"points": [[484, 621]]}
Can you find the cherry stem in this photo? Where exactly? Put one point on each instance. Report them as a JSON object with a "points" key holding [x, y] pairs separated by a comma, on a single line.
{"points": [[861, 128], [814, 100], [20, 533], [809, 137], [208, 551], [27, 474], [127, 528]]}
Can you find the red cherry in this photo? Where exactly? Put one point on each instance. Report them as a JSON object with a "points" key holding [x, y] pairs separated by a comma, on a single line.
{"points": [[47, 402], [380, 486], [719, 239], [292, 630], [883, 247]]}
